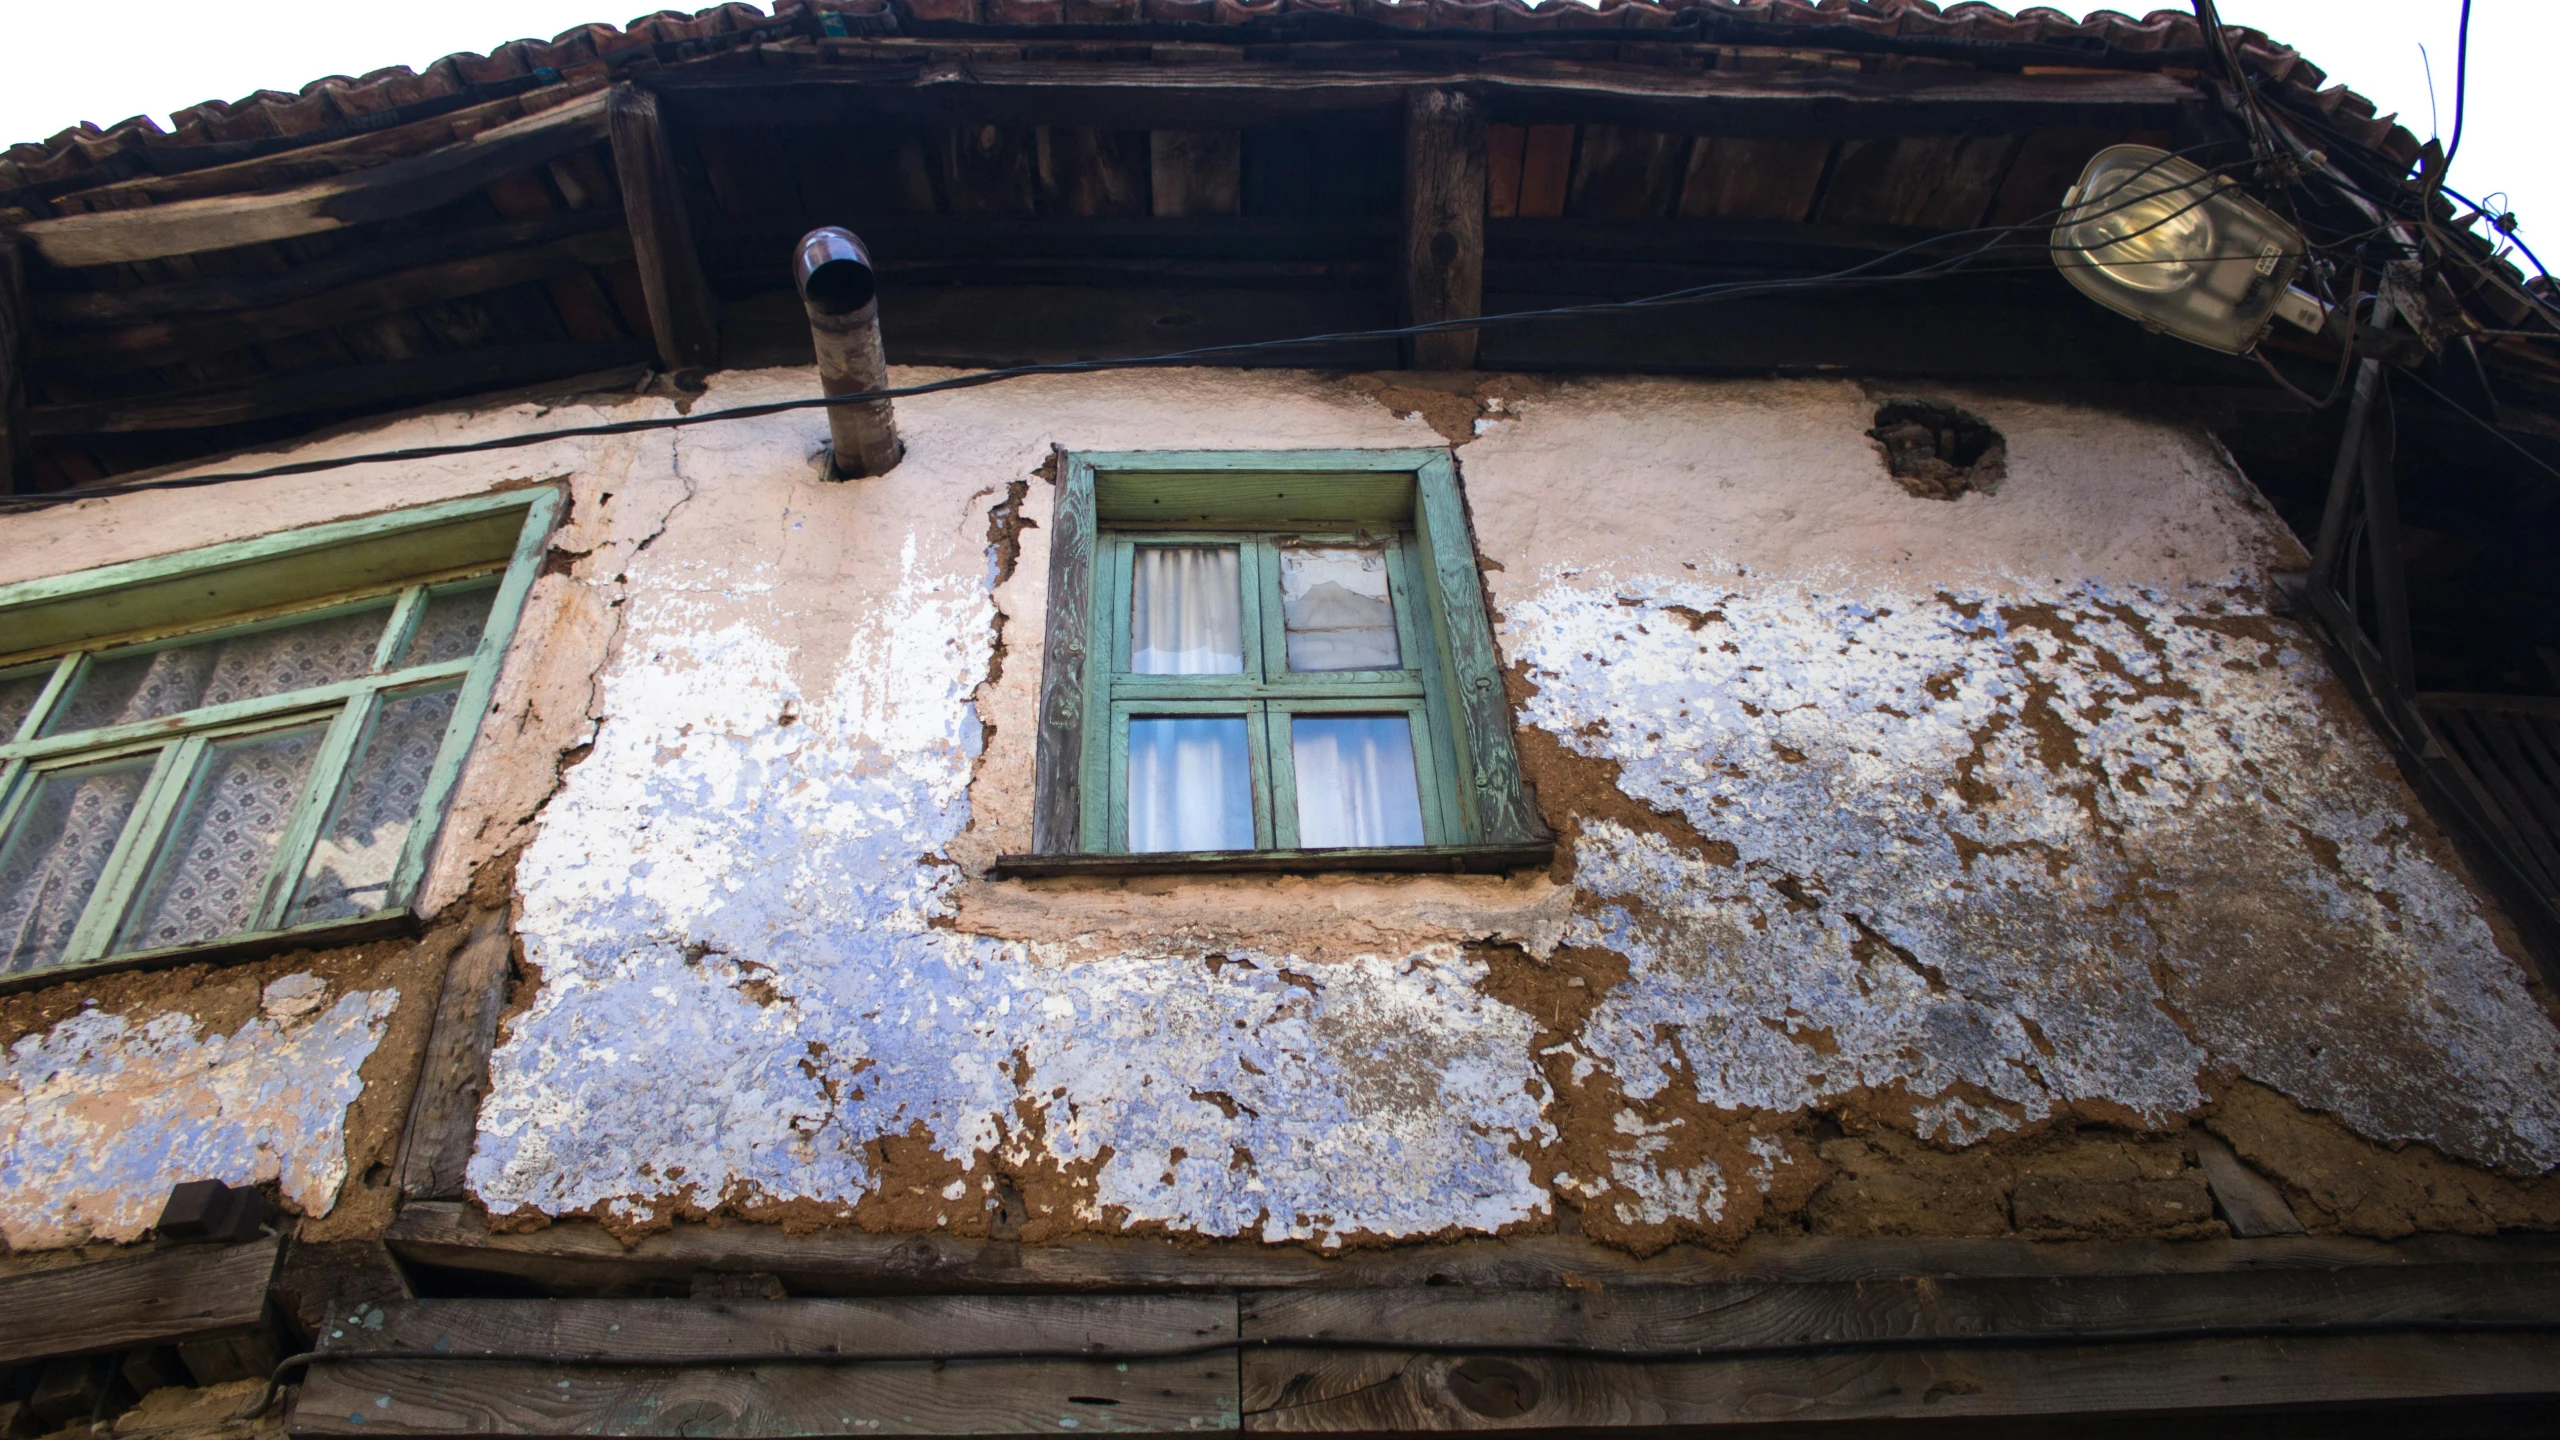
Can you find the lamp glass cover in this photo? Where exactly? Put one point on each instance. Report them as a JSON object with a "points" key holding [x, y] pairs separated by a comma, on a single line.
{"points": [[2152, 236]]}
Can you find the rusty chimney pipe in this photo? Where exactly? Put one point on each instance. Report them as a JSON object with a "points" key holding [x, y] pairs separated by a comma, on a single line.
{"points": [[836, 282]]}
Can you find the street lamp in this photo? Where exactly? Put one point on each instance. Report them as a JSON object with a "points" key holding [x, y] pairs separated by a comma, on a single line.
{"points": [[2152, 236]]}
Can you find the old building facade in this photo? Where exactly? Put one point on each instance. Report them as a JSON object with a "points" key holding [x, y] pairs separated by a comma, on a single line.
{"points": [[1563, 813]]}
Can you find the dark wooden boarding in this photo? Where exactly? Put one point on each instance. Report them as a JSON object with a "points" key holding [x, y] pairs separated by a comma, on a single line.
{"points": [[188, 1294]]}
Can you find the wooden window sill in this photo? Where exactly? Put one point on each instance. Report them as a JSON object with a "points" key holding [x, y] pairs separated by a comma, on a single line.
{"points": [[1440, 859], [320, 935]]}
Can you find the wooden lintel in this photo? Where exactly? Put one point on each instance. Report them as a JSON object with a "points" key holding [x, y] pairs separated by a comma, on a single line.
{"points": [[682, 315], [1227, 94], [349, 387], [580, 1258], [444, 1112], [402, 187], [1444, 217], [184, 1294]]}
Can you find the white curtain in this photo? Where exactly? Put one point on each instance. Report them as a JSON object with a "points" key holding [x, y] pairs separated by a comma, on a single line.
{"points": [[1356, 783], [1190, 784], [1336, 610], [1186, 611]]}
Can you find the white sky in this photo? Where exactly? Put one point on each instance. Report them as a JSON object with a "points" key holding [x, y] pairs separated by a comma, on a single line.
{"points": [[66, 62]]}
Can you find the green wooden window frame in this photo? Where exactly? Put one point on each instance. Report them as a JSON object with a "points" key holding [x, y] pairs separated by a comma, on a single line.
{"points": [[1474, 810], [396, 563]]}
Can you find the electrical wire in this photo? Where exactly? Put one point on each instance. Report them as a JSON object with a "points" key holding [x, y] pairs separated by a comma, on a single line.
{"points": [[1854, 275], [2461, 80]]}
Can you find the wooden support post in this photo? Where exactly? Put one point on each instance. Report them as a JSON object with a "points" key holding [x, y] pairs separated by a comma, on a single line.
{"points": [[682, 316], [14, 324], [1444, 203], [444, 1114], [2390, 574]]}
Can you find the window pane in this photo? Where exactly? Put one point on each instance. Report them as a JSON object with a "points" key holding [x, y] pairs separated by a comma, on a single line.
{"points": [[1356, 784], [222, 842], [18, 695], [1186, 610], [1190, 784], [119, 689], [450, 628], [55, 852], [1333, 599], [350, 870]]}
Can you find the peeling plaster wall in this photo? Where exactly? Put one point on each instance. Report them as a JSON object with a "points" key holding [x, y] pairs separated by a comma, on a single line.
{"points": [[1960, 819], [103, 1115]]}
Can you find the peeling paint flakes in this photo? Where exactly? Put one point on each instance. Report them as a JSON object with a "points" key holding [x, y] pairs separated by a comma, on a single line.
{"points": [[104, 1115], [1977, 835], [1390, 1098]]}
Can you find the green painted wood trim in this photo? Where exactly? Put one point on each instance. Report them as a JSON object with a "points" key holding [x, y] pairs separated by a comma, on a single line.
{"points": [[311, 811], [173, 774], [46, 699], [477, 686], [215, 717], [1443, 859], [398, 630], [232, 947], [17, 781], [267, 572], [1482, 712]]}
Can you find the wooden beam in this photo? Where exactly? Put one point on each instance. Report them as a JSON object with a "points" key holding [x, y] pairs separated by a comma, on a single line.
{"points": [[87, 353], [350, 387], [682, 314], [444, 1111], [314, 162], [1334, 1392], [578, 1257], [725, 1367], [15, 325], [163, 1297], [1734, 1318], [1444, 215], [986, 1397], [712, 1332], [220, 294], [402, 187], [1525, 90]]}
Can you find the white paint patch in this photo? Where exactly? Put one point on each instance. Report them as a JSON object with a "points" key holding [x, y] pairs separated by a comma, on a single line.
{"points": [[705, 850], [104, 1115], [1979, 833]]}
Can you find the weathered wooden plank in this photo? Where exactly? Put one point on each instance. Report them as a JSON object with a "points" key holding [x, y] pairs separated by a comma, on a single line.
{"points": [[1195, 172], [1738, 178], [990, 169], [1725, 1318], [1320, 1391], [683, 319], [1885, 181], [1964, 192], [1444, 214], [1086, 171], [402, 187], [444, 1111], [344, 388], [2250, 1203], [1057, 809], [162, 1297], [425, 1398], [1003, 324], [1627, 174], [576, 1257], [313, 162], [1416, 859], [876, 1327], [169, 342], [217, 294], [1528, 90], [15, 326]]}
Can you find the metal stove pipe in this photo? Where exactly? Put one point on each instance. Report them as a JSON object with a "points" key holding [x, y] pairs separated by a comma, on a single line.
{"points": [[833, 271]]}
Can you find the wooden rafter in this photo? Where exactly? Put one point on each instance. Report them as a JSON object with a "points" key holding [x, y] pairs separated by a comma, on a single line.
{"points": [[682, 315], [1444, 215]]}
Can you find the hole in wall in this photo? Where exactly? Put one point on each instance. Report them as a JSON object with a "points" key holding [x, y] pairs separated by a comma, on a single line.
{"points": [[1939, 451]]}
